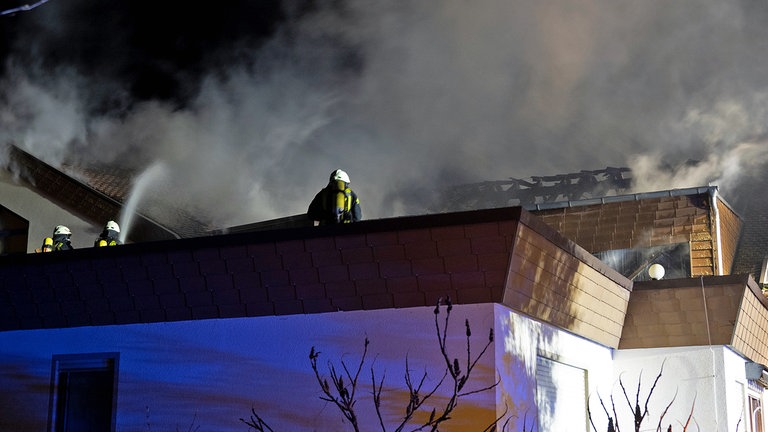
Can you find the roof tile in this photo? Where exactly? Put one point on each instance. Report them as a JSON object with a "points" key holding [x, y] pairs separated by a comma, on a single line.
{"points": [[406, 284]]}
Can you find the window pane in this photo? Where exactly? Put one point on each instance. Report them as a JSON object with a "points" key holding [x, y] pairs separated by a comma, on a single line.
{"points": [[634, 263], [561, 395], [83, 392], [756, 412], [86, 404]]}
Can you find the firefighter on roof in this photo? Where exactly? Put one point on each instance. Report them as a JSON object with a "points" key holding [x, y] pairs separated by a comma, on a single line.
{"points": [[59, 241], [110, 236], [336, 203]]}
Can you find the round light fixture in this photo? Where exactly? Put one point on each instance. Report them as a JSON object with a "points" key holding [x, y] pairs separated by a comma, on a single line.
{"points": [[656, 271]]}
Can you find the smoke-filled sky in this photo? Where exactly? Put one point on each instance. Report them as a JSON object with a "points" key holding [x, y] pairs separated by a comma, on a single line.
{"points": [[250, 105]]}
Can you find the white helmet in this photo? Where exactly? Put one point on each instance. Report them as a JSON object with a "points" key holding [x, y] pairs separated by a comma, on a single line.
{"points": [[61, 229], [339, 175], [112, 225]]}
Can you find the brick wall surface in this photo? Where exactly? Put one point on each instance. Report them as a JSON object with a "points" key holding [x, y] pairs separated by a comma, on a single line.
{"points": [[730, 233], [632, 223], [472, 257], [698, 311], [552, 284], [378, 264], [653, 221], [752, 324]]}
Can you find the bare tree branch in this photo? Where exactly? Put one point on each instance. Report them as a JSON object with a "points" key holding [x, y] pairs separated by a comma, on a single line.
{"points": [[664, 413], [415, 401], [452, 367], [344, 396], [492, 427], [342, 388], [377, 396], [257, 423], [690, 415]]}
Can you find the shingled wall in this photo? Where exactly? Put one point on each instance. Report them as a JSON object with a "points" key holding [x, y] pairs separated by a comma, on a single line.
{"points": [[715, 310], [388, 263], [654, 219]]}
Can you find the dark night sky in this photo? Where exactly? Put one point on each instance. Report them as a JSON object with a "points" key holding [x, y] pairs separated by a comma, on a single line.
{"points": [[158, 49]]}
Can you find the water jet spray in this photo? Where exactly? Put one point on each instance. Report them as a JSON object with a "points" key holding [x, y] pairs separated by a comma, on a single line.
{"points": [[149, 176]]}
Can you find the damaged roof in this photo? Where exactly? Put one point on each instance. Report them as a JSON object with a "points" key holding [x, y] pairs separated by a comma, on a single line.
{"points": [[98, 194], [681, 215]]}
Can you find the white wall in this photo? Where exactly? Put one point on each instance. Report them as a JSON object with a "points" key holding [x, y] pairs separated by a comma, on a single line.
{"points": [[43, 215], [524, 339], [707, 381], [214, 371]]}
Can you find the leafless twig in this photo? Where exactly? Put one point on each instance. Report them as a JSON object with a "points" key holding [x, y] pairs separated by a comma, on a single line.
{"points": [[340, 388], [664, 413], [639, 415], [453, 368], [257, 423], [192, 427], [341, 394], [690, 416]]}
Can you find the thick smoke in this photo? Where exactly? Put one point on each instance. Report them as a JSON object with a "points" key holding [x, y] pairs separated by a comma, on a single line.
{"points": [[408, 97]]}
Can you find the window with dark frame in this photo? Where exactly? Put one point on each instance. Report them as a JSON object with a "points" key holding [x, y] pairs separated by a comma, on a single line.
{"points": [[756, 412], [83, 392], [634, 263]]}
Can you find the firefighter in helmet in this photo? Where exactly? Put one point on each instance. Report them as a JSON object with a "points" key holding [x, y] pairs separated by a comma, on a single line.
{"points": [[59, 241], [110, 236], [336, 202]]}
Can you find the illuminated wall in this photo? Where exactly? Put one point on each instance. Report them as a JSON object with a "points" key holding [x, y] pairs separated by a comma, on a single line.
{"points": [[706, 383], [210, 373]]}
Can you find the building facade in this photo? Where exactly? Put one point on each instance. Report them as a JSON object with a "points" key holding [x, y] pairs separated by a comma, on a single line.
{"points": [[198, 332]]}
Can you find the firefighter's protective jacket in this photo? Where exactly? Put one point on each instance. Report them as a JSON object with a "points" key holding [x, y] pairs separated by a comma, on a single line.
{"points": [[61, 242], [108, 238], [336, 203]]}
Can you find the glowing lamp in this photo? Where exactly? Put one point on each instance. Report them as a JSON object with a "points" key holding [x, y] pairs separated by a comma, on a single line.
{"points": [[656, 271]]}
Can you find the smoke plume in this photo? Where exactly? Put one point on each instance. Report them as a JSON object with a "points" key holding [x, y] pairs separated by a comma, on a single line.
{"points": [[250, 108]]}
